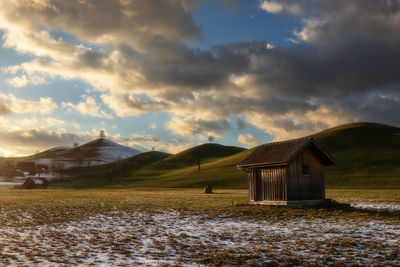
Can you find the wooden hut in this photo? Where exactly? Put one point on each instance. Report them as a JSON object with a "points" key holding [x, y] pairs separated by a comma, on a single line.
{"points": [[34, 183], [287, 173]]}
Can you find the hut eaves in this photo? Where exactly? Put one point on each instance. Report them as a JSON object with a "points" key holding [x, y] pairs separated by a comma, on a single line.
{"points": [[282, 153]]}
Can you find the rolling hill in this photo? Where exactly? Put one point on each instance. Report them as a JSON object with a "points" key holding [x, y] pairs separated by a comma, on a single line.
{"points": [[368, 156], [97, 152]]}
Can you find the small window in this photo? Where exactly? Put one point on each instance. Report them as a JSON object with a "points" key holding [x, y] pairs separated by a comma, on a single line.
{"points": [[305, 170]]}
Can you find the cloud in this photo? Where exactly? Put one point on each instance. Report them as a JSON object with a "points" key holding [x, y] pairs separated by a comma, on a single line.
{"points": [[248, 140], [88, 107], [51, 121], [4, 107], [344, 58], [271, 6], [145, 142], [173, 148], [129, 105], [27, 141], [24, 80], [190, 126], [11, 104], [288, 6]]}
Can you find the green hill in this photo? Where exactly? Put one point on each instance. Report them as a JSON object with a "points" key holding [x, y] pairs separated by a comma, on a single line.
{"points": [[221, 173], [367, 154]]}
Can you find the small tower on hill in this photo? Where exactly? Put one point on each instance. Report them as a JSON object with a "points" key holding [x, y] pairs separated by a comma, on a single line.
{"points": [[102, 134]]}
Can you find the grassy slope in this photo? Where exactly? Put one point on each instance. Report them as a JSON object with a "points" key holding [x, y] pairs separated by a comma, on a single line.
{"points": [[367, 154], [221, 173], [97, 176], [207, 153]]}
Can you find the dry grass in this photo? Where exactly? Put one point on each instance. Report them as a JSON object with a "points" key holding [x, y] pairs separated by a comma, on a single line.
{"points": [[175, 227]]}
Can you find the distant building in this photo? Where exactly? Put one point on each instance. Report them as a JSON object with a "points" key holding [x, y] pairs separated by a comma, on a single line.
{"points": [[34, 183], [287, 173]]}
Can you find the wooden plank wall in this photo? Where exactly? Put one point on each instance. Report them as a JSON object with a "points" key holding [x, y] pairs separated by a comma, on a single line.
{"points": [[267, 184], [251, 176], [304, 187], [274, 181]]}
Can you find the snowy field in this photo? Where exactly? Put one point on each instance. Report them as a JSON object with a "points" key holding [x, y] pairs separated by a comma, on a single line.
{"points": [[181, 237], [390, 206]]}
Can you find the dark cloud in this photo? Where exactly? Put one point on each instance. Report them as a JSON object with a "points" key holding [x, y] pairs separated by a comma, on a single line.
{"points": [[94, 19], [192, 126], [26, 141], [345, 66]]}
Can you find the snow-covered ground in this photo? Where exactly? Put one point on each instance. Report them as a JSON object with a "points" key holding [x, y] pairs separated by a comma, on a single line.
{"points": [[170, 237], [373, 204]]}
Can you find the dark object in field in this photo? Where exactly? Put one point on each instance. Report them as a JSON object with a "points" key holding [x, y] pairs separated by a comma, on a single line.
{"points": [[34, 183], [208, 189], [287, 173]]}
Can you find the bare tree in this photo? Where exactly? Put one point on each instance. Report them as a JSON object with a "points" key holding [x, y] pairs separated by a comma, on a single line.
{"points": [[211, 139], [59, 168], [196, 158]]}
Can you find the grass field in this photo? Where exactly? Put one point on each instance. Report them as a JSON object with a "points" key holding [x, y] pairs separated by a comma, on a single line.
{"points": [[184, 226]]}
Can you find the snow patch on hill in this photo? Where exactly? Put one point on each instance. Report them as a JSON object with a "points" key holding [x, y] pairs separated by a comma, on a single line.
{"points": [[59, 148], [111, 151], [97, 152]]}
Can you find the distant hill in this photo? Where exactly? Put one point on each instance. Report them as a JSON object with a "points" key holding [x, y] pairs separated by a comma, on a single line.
{"points": [[97, 152], [367, 154]]}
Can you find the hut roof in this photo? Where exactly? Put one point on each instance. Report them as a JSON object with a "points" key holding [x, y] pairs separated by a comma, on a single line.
{"points": [[38, 181], [281, 153]]}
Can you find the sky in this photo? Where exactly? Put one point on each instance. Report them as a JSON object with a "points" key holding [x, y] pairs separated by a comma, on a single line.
{"points": [[167, 74]]}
